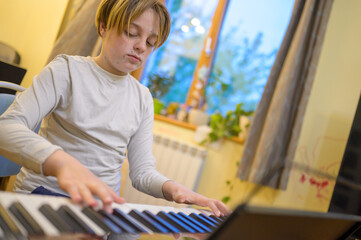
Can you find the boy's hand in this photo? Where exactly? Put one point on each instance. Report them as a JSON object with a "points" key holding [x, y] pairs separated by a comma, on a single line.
{"points": [[78, 181], [176, 192]]}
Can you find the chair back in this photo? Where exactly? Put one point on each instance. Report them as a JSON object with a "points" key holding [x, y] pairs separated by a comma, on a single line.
{"points": [[8, 167]]}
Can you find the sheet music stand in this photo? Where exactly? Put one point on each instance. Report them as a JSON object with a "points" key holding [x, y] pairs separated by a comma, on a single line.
{"points": [[270, 223]]}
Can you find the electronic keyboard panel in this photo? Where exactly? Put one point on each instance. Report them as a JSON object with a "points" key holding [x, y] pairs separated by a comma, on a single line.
{"points": [[24, 215]]}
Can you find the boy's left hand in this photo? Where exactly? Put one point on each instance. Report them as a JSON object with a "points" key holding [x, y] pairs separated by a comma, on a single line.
{"points": [[173, 191]]}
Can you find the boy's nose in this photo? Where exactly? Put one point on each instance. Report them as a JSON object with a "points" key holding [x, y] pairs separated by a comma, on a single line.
{"points": [[140, 46]]}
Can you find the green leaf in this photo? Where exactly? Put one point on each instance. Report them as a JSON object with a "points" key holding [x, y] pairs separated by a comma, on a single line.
{"points": [[226, 199]]}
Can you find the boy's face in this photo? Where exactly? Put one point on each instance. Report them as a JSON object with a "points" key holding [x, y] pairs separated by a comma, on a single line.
{"points": [[125, 52]]}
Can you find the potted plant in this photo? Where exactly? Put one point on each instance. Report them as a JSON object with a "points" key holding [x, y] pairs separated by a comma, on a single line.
{"points": [[159, 84], [226, 126]]}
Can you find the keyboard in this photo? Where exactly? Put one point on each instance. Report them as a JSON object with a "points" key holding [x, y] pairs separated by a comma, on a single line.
{"points": [[24, 215]]}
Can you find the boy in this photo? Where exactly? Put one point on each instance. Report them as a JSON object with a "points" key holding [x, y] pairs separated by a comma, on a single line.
{"points": [[95, 114]]}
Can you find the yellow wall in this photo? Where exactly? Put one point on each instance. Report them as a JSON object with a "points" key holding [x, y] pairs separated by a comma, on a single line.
{"points": [[332, 104], [31, 27], [327, 122]]}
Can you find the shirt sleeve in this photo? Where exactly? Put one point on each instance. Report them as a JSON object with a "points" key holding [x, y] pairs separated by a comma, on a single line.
{"points": [[17, 140], [142, 170]]}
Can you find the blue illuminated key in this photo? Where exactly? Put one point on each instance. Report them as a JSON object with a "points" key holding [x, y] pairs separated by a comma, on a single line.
{"points": [[164, 223], [174, 221]]}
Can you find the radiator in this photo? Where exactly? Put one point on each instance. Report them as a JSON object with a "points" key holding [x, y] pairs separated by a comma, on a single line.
{"points": [[178, 160]]}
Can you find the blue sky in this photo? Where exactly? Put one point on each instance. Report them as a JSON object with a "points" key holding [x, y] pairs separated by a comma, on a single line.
{"points": [[251, 14]]}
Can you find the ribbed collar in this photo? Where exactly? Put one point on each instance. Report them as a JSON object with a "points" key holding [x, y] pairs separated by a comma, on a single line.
{"points": [[112, 77]]}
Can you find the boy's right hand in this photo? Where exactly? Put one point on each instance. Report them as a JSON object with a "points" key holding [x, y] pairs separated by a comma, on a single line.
{"points": [[81, 184]]}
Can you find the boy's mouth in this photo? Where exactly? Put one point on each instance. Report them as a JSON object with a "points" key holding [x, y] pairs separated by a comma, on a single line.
{"points": [[134, 58]]}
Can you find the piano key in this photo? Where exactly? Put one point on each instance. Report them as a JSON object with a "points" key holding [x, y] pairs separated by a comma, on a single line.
{"points": [[55, 219], [164, 223], [117, 221], [77, 209], [188, 223], [32, 203], [147, 221], [130, 221], [174, 221], [26, 219], [204, 227], [218, 219], [203, 220], [209, 218], [10, 230], [77, 224], [103, 222]]}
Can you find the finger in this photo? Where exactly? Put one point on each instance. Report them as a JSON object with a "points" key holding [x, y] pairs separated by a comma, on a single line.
{"points": [[87, 196], [223, 208], [176, 235], [214, 209], [73, 191], [105, 195], [116, 197]]}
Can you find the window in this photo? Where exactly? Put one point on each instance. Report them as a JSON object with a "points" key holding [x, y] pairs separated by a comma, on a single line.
{"points": [[250, 36], [179, 55], [248, 40]]}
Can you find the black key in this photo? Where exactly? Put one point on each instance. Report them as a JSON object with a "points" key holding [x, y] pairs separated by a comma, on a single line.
{"points": [[209, 218], [24, 217], [189, 224], [54, 218], [204, 227], [74, 221], [203, 220], [8, 225], [119, 222], [160, 220], [218, 219], [103, 222], [121, 215], [174, 221], [148, 222]]}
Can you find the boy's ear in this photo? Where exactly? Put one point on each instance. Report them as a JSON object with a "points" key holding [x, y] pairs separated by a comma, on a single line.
{"points": [[102, 29]]}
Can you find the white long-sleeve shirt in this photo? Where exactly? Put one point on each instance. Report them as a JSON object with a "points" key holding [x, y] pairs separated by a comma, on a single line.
{"points": [[91, 114]]}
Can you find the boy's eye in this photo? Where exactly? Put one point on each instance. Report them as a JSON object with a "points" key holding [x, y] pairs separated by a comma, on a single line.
{"points": [[151, 44], [131, 34]]}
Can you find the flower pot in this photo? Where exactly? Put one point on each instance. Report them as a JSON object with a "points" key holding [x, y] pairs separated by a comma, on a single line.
{"points": [[158, 106], [198, 117]]}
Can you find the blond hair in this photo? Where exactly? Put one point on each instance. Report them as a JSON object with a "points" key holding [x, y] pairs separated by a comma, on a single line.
{"points": [[120, 13]]}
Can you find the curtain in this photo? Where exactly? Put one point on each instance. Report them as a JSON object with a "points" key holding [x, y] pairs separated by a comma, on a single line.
{"points": [[275, 128], [80, 35]]}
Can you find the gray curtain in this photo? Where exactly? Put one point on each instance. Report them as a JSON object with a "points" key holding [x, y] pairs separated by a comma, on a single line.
{"points": [[275, 129], [80, 36]]}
